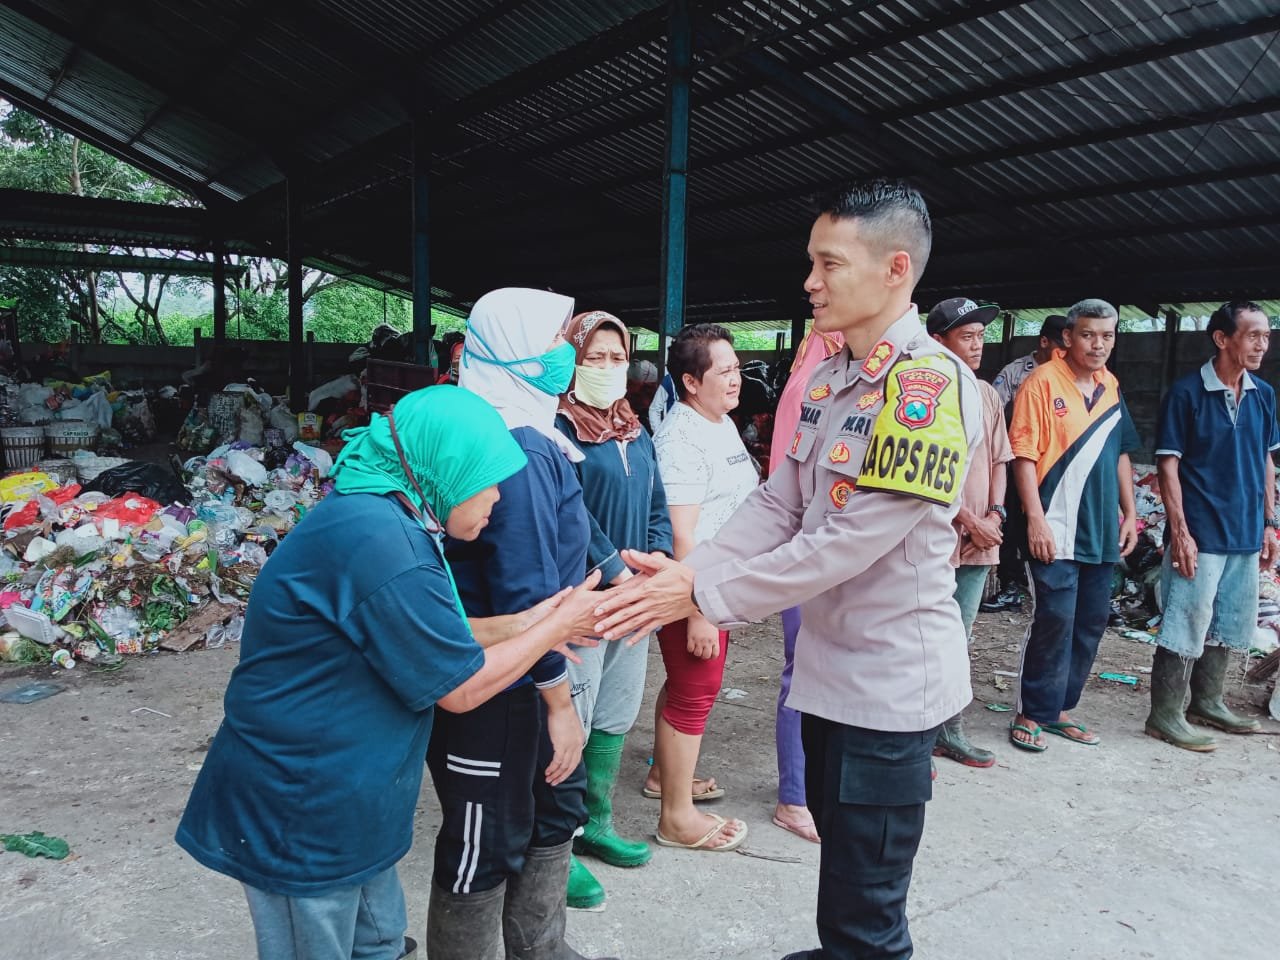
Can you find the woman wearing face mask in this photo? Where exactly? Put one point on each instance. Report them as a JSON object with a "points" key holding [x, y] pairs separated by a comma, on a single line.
{"points": [[509, 774], [707, 473], [628, 511], [307, 793]]}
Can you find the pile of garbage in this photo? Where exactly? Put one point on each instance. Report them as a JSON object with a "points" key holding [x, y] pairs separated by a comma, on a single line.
{"points": [[143, 557], [117, 418], [242, 413]]}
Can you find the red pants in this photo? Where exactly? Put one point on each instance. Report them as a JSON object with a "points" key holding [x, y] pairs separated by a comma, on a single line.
{"points": [[692, 683]]}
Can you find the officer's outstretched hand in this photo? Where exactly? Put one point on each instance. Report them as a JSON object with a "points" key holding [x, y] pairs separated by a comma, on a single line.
{"points": [[660, 593]]}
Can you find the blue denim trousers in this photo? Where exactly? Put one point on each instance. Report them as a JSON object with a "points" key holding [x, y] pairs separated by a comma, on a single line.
{"points": [[1218, 605], [365, 922], [1073, 603]]}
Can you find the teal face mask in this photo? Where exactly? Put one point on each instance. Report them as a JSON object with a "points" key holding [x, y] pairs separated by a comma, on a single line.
{"points": [[556, 365]]}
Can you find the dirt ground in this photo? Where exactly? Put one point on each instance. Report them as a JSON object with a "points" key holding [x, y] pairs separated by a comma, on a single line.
{"points": [[1129, 850]]}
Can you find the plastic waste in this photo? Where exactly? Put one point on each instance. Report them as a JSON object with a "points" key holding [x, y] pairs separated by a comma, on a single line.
{"points": [[245, 467], [221, 634], [323, 462], [149, 479]]}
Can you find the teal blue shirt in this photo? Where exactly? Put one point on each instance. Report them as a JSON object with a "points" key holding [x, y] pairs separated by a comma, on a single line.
{"points": [[351, 635]]}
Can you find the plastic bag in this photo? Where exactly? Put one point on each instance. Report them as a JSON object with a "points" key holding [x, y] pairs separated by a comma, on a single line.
{"points": [[323, 462], [282, 419], [127, 511], [149, 479], [251, 425], [333, 390], [247, 468], [279, 501]]}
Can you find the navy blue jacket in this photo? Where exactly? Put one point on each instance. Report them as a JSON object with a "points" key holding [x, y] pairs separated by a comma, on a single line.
{"points": [[534, 546], [625, 499]]}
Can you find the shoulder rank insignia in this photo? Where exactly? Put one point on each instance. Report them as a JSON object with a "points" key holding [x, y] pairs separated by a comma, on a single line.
{"points": [[820, 393], [877, 358]]}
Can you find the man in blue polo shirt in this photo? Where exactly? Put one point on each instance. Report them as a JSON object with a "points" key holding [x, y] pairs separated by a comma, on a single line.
{"points": [[1216, 431]]}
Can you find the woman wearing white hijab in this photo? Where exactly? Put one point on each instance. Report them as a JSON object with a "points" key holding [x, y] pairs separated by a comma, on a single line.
{"points": [[509, 774]]}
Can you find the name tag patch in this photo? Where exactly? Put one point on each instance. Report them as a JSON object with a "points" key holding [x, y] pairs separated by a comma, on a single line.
{"points": [[858, 425], [810, 415]]}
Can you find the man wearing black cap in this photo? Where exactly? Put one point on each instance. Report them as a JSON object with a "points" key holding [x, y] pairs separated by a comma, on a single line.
{"points": [[1012, 571], [1009, 379], [959, 324]]}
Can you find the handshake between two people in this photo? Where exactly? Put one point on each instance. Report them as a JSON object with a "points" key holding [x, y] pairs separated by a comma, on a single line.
{"points": [[660, 592]]}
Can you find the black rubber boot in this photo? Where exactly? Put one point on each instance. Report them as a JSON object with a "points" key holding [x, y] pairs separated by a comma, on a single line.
{"points": [[1169, 674], [410, 949], [1208, 680], [533, 919], [954, 745], [462, 926]]}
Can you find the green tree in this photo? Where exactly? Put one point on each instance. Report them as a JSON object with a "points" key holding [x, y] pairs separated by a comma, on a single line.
{"points": [[37, 156]]}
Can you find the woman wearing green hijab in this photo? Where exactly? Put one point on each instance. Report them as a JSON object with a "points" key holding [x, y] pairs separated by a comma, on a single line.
{"points": [[353, 633]]}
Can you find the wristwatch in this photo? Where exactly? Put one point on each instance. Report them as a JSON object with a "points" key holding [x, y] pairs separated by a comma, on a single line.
{"points": [[999, 511], [1273, 521]]}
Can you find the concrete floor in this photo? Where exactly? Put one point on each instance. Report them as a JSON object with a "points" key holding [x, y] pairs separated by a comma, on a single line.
{"points": [[1129, 850]]}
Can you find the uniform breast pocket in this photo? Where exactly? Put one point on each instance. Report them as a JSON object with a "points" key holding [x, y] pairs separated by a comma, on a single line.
{"points": [[802, 443], [841, 462]]}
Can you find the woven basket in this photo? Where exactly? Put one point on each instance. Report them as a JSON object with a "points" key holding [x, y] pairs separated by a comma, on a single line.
{"points": [[23, 446], [67, 437]]}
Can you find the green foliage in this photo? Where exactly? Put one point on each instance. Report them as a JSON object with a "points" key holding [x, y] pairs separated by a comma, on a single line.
{"points": [[348, 312], [39, 302]]}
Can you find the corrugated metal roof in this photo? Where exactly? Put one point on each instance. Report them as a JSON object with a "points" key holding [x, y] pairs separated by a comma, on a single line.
{"points": [[1120, 147]]}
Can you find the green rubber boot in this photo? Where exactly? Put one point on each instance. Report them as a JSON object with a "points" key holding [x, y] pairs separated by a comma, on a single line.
{"points": [[1168, 693], [584, 891], [954, 745], [1208, 680], [602, 756]]}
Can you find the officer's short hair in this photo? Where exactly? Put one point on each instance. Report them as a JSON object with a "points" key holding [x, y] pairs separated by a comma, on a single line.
{"points": [[891, 215], [690, 352]]}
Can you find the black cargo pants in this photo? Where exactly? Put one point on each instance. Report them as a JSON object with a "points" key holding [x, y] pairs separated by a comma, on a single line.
{"points": [[867, 790]]}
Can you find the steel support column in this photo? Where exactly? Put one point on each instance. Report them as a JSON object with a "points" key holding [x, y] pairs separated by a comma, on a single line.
{"points": [[1169, 351], [797, 332], [219, 292], [675, 205], [421, 244], [293, 244]]}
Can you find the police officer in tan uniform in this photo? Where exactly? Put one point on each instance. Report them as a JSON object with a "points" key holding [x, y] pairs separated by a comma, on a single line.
{"points": [[856, 528]]}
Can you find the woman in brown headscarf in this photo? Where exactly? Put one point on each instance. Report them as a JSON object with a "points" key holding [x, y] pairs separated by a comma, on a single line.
{"points": [[628, 509]]}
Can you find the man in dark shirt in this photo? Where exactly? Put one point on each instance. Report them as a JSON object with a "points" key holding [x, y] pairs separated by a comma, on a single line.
{"points": [[1216, 434]]}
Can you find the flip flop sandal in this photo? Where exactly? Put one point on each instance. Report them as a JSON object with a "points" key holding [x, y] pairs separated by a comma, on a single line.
{"points": [[701, 842], [1027, 745], [705, 795], [799, 828], [1059, 728]]}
